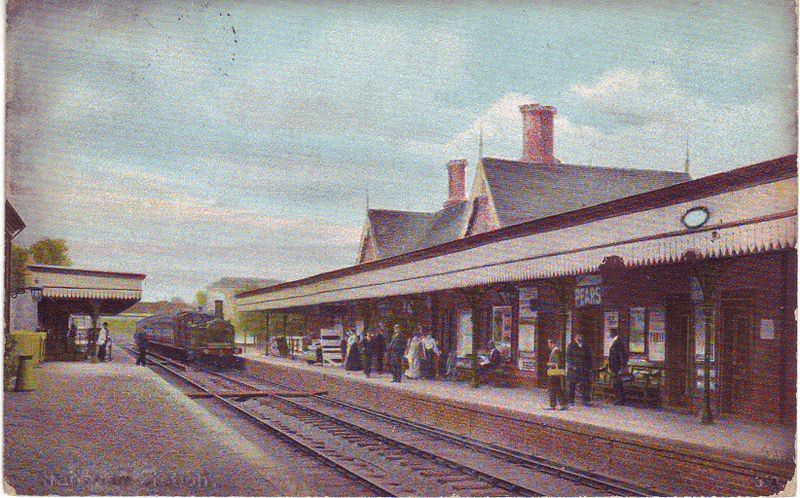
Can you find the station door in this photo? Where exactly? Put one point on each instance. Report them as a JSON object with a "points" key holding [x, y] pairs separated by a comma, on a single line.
{"points": [[678, 353], [736, 326]]}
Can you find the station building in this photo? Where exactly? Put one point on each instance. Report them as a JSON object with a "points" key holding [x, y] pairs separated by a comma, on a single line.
{"points": [[543, 249]]}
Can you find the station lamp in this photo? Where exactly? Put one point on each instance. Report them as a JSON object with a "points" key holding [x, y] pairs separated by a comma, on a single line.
{"points": [[36, 294]]}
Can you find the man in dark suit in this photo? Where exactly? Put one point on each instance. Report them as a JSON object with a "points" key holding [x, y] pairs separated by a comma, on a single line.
{"points": [[367, 350], [379, 349], [618, 364], [397, 347], [579, 369]]}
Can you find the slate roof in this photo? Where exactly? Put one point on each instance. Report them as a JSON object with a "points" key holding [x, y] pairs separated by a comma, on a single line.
{"points": [[398, 232], [521, 191], [447, 224], [525, 191]]}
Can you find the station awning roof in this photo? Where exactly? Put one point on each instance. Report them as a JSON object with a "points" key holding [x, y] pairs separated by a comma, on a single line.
{"points": [[751, 210], [67, 283]]}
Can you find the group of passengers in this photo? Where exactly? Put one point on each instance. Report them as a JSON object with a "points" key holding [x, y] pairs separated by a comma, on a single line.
{"points": [[98, 340], [416, 357], [419, 357]]}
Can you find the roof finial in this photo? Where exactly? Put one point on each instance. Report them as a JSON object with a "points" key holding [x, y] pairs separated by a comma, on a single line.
{"points": [[367, 195], [687, 164], [480, 143]]}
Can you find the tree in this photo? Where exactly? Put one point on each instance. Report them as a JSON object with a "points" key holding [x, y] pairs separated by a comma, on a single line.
{"points": [[51, 252], [252, 323], [19, 260], [201, 298]]}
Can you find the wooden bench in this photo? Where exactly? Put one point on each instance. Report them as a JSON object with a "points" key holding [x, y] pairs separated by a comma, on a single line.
{"points": [[645, 385], [500, 376]]}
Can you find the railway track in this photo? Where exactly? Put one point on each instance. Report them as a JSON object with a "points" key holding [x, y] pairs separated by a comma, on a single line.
{"points": [[526, 471], [208, 383], [398, 457]]}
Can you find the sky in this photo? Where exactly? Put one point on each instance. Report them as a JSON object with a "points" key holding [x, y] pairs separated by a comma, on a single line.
{"points": [[196, 140]]}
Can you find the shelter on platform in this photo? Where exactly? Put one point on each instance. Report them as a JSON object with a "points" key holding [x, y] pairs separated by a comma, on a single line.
{"points": [[56, 293]]}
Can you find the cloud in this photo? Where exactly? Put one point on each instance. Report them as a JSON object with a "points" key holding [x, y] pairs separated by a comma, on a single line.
{"points": [[645, 117], [634, 98], [637, 118], [502, 133]]}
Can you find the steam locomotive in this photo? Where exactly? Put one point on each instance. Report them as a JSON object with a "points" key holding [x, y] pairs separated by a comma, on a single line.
{"points": [[191, 335]]}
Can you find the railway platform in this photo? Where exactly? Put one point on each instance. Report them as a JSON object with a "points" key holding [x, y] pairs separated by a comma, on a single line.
{"points": [[664, 450], [118, 429]]}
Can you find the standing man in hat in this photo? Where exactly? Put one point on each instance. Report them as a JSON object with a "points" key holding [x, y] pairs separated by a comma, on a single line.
{"points": [[367, 351], [579, 369], [397, 348], [618, 364], [379, 348]]}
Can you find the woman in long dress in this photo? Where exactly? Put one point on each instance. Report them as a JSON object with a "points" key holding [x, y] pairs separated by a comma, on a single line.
{"points": [[413, 357], [353, 361]]}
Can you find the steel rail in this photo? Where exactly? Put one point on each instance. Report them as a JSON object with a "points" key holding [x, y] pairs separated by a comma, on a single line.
{"points": [[380, 491], [591, 479], [483, 476]]}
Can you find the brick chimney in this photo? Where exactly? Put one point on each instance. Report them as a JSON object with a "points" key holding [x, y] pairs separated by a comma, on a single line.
{"points": [[456, 184], [537, 133], [218, 308]]}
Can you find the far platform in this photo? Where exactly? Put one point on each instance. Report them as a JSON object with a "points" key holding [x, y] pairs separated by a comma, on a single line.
{"points": [[603, 437], [118, 429]]}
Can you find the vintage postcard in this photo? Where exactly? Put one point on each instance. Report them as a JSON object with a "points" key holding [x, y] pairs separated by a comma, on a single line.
{"points": [[273, 248]]}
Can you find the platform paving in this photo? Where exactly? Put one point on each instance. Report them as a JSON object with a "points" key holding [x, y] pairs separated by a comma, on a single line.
{"points": [[729, 435], [118, 429]]}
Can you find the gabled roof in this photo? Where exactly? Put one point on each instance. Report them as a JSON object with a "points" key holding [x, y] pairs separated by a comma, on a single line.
{"points": [[447, 224], [521, 192], [525, 191], [14, 223], [397, 232]]}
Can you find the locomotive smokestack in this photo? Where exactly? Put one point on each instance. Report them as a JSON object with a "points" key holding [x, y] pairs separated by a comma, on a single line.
{"points": [[218, 308]]}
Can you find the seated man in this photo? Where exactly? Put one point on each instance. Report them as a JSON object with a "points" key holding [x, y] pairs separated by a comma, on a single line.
{"points": [[488, 363]]}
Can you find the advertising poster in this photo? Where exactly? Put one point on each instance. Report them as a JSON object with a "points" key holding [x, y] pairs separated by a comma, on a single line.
{"points": [[637, 330], [527, 299], [527, 343], [464, 345], [767, 329], [610, 322], [569, 327], [502, 322], [656, 335]]}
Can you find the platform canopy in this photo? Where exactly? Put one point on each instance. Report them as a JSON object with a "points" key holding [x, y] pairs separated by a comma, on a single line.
{"points": [[90, 291], [744, 211]]}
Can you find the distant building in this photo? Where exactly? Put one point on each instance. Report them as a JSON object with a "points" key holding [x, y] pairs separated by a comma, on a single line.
{"points": [[147, 309]]}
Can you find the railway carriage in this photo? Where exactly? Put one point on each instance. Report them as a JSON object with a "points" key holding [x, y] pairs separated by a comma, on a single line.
{"points": [[191, 335]]}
